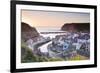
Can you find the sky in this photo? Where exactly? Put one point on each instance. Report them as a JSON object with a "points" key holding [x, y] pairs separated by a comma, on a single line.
{"points": [[53, 19]]}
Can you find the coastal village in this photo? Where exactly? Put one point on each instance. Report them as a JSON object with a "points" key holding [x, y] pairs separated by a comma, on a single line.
{"points": [[64, 46], [69, 45]]}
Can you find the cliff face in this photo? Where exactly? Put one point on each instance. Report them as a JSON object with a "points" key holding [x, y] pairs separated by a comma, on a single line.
{"points": [[28, 32], [76, 27]]}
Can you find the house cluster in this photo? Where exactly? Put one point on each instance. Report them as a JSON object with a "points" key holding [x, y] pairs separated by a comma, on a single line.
{"points": [[34, 43], [70, 44]]}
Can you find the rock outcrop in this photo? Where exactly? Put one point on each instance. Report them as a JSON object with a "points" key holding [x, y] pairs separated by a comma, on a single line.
{"points": [[28, 32], [76, 27]]}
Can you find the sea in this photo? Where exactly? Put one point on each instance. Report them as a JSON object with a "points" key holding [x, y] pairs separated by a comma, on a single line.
{"points": [[50, 31]]}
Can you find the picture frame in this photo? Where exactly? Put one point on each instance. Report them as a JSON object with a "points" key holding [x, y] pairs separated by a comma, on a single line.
{"points": [[17, 12]]}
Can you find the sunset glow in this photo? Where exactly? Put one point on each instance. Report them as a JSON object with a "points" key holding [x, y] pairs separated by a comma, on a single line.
{"points": [[53, 19]]}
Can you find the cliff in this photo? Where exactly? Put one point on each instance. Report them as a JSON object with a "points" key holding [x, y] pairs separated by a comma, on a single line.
{"points": [[28, 32], [76, 27]]}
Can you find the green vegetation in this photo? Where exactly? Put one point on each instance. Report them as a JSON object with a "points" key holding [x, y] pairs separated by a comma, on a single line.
{"points": [[78, 57], [28, 56], [56, 59]]}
